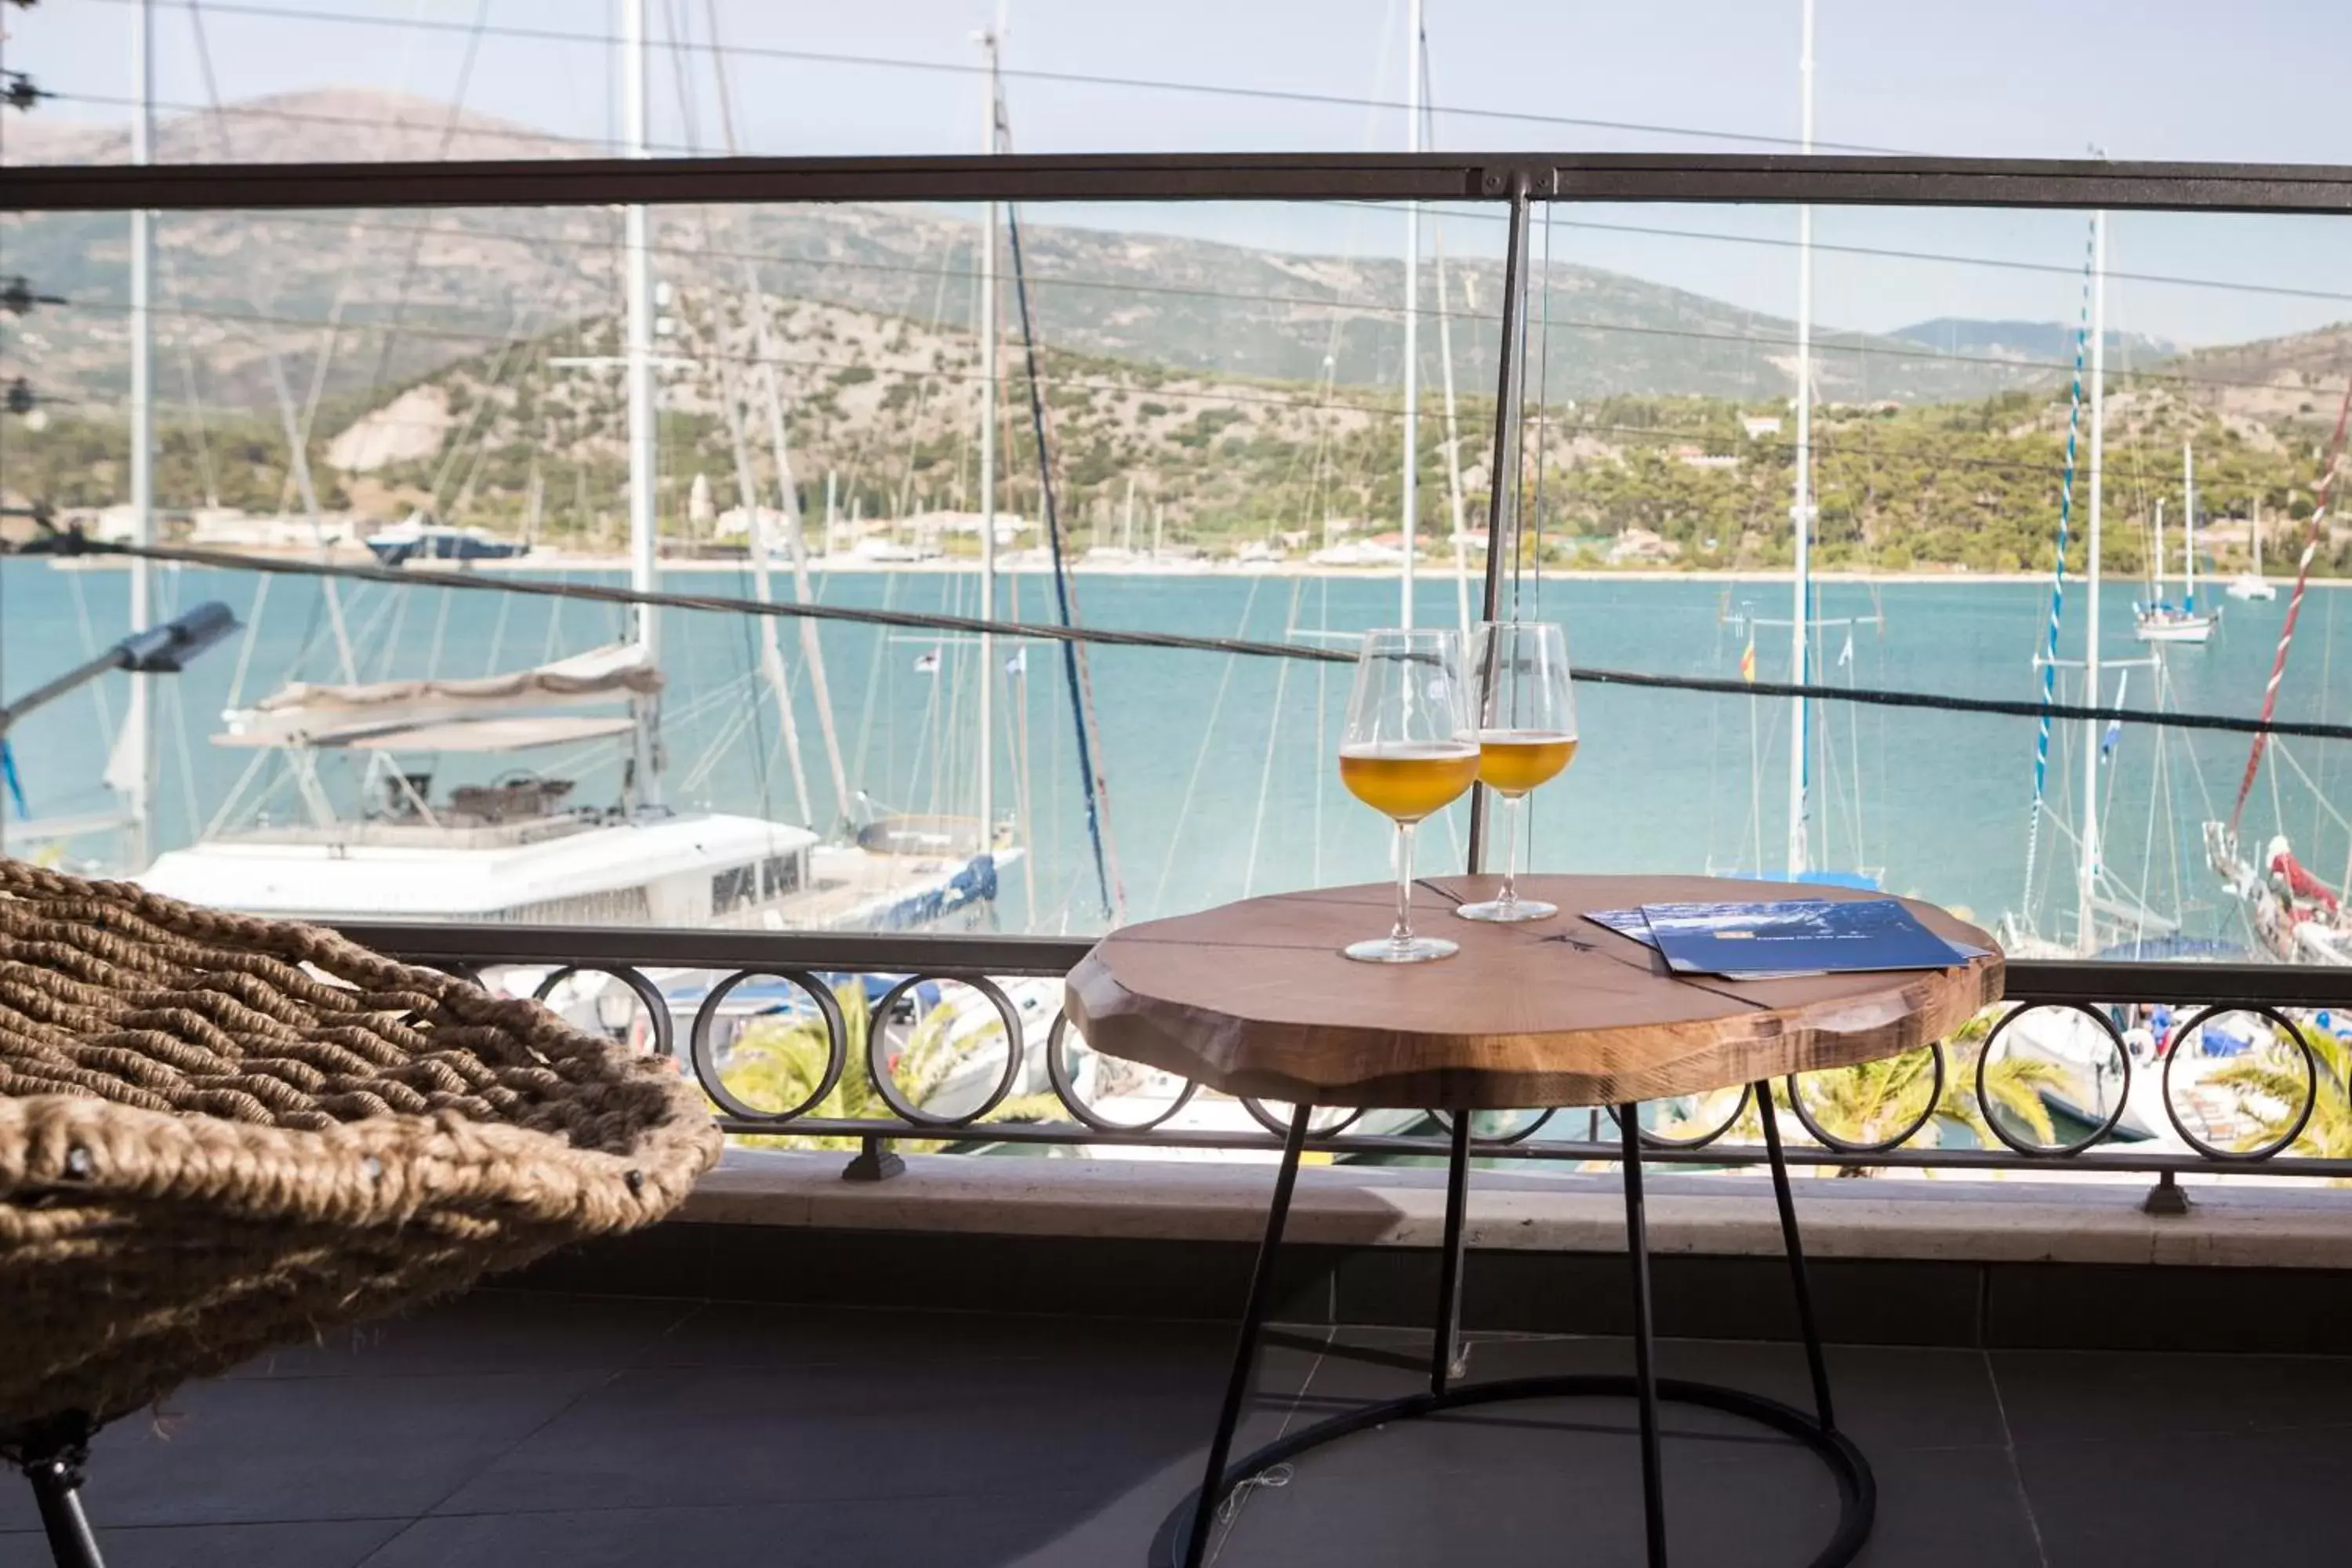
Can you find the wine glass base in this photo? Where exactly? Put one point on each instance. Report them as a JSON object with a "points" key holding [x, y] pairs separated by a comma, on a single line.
{"points": [[1501, 913], [1412, 950]]}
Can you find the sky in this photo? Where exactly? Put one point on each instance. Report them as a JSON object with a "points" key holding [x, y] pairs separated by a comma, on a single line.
{"points": [[2136, 78]]}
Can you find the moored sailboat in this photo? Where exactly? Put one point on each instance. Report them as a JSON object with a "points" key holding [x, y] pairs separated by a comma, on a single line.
{"points": [[2160, 619]]}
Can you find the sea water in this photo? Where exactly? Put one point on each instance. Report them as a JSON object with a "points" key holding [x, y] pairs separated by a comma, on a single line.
{"points": [[1217, 772]]}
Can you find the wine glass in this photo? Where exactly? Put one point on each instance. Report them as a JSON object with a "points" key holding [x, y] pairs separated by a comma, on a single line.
{"points": [[1407, 752], [1525, 709]]}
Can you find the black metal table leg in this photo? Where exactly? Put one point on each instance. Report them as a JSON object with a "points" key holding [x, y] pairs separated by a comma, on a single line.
{"points": [[1646, 1372], [1445, 1356], [1796, 1251], [52, 1459], [1213, 1490], [1183, 1537]]}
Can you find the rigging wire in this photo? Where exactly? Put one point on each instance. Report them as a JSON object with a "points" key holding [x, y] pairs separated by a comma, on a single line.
{"points": [[1114, 898], [2058, 583], [599, 593], [1078, 79], [2318, 529]]}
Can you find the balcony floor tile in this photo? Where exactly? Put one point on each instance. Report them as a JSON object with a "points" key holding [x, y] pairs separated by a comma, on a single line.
{"points": [[515, 1430]]}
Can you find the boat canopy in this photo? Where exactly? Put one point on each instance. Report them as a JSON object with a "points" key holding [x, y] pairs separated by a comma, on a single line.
{"points": [[304, 715]]}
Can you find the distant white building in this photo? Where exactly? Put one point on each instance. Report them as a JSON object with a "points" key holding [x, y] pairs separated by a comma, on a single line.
{"points": [[1759, 425], [1636, 545], [1357, 552], [932, 524], [227, 528]]}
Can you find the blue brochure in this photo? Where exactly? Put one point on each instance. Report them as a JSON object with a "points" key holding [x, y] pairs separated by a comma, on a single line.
{"points": [[1791, 937]]}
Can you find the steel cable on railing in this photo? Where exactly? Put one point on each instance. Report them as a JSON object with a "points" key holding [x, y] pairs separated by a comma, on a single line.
{"points": [[77, 544]]}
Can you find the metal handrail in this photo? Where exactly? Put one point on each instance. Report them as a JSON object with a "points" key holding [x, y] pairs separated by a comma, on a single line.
{"points": [[1826, 181]]}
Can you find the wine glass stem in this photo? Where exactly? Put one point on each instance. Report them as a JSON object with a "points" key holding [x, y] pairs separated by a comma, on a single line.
{"points": [[1402, 936], [1511, 849]]}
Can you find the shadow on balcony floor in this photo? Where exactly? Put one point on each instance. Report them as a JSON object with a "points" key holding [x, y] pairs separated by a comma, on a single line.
{"points": [[512, 1430]]}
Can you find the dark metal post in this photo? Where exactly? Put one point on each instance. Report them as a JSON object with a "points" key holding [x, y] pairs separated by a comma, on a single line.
{"points": [[874, 1162], [56, 1472], [1503, 487], [1646, 1372], [1445, 1356], [2166, 1197], [1261, 1292], [1796, 1249]]}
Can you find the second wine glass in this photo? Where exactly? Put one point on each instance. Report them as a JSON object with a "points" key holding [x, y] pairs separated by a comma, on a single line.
{"points": [[1523, 705]]}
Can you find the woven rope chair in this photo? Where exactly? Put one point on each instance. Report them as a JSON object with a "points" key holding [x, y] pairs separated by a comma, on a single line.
{"points": [[219, 1134]]}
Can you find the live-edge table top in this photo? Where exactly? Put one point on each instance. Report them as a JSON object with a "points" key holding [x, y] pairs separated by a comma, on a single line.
{"points": [[1253, 998]]}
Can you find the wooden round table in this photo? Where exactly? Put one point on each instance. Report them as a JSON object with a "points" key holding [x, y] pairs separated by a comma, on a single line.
{"points": [[1255, 999]]}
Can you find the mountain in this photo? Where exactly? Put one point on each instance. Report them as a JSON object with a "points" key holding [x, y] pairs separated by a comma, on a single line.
{"points": [[409, 292], [2044, 343], [351, 125]]}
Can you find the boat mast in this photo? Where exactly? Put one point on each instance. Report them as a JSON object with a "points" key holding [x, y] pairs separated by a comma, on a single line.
{"points": [[787, 486], [136, 771], [645, 564], [2257, 527], [1411, 473], [2085, 927], [2189, 527], [1800, 512], [991, 42], [1445, 366]]}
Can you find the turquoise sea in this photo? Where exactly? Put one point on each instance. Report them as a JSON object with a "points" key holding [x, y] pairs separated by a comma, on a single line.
{"points": [[1219, 770]]}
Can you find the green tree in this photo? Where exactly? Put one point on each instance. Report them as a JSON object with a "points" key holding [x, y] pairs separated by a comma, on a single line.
{"points": [[2268, 1087], [776, 1063]]}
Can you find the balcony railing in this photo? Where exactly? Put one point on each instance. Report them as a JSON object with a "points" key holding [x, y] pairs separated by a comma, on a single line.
{"points": [[678, 983]]}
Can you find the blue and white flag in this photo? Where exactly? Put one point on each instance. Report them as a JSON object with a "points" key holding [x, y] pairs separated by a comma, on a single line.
{"points": [[927, 663], [1845, 654], [1019, 663]]}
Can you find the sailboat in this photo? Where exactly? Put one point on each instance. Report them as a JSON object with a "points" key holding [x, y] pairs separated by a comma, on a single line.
{"points": [[2159, 620], [2252, 583], [520, 849]]}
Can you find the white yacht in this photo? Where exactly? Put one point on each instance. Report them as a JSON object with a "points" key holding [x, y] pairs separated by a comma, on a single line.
{"points": [[520, 849]]}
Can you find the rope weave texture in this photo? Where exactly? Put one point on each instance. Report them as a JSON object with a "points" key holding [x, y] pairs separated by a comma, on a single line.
{"points": [[220, 1133]]}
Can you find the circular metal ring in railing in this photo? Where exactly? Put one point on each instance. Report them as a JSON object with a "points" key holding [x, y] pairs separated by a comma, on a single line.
{"points": [[877, 1067], [2097, 1134], [1280, 1125], [1660, 1141], [1067, 1091], [704, 1058], [1500, 1140], [649, 996], [2190, 1031], [1829, 1140]]}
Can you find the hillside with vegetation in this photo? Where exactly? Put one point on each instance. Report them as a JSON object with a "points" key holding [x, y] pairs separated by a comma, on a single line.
{"points": [[887, 409]]}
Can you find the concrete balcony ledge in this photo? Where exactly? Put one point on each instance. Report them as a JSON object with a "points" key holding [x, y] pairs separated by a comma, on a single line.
{"points": [[2089, 1221], [2054, 1264]]}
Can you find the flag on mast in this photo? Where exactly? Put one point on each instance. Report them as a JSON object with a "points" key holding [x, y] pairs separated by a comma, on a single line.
{"points": [[1747, 660]]}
